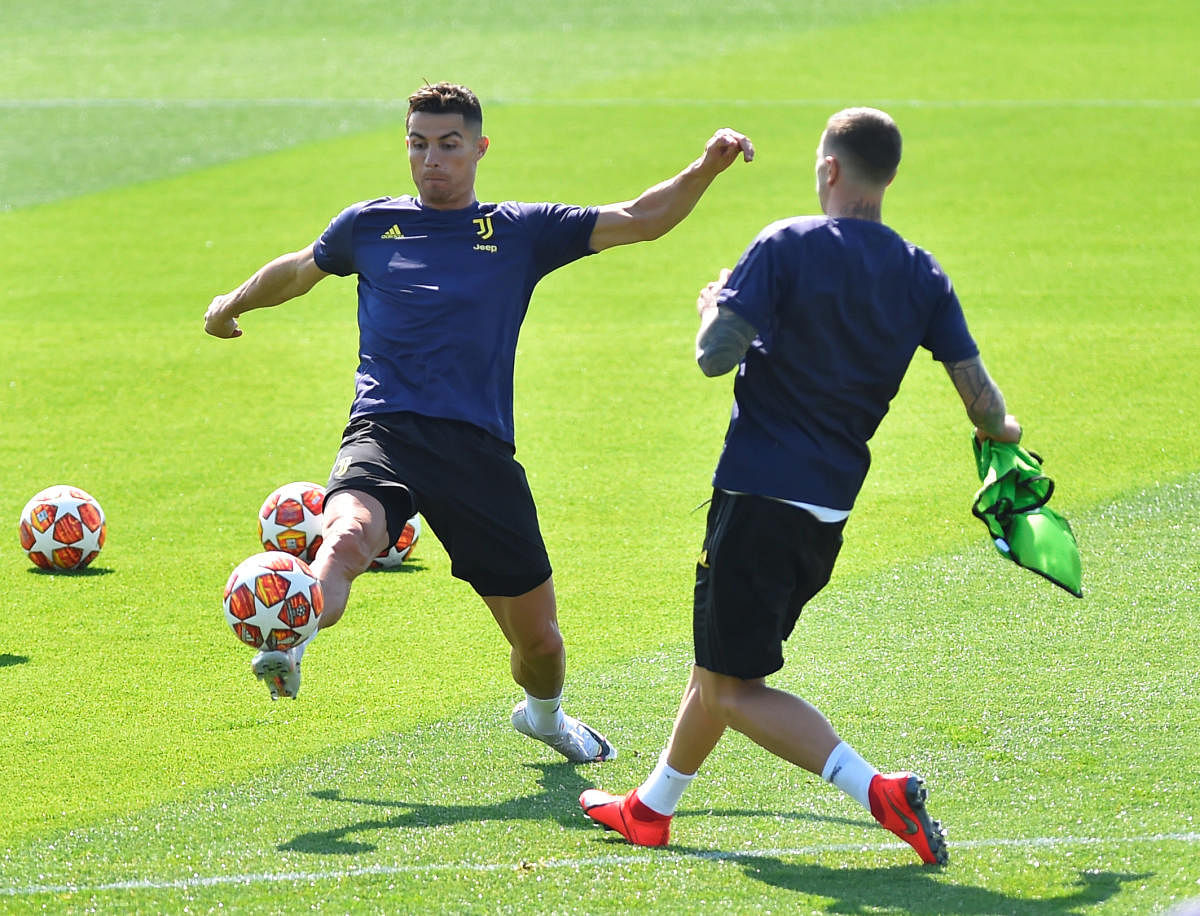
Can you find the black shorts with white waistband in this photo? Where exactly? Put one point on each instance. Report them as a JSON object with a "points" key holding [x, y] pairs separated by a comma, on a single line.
{"points": [[466, 484], [762, 561]]}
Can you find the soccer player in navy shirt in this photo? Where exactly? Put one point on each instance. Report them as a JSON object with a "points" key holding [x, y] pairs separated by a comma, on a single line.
{"points": [[444, 282], [821, 316]]}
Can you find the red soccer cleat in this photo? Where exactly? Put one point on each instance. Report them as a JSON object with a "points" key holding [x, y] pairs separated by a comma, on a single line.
{"points": [[898, 803], [628, 816]]}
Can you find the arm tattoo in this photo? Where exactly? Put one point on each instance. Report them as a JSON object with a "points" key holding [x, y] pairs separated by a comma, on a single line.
{"points": [[723, 341], [980, 396]]}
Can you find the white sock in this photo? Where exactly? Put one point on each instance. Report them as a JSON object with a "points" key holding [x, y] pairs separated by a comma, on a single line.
{"points": [[546, 716], [850, 773], [304, 645], [664, 787]]}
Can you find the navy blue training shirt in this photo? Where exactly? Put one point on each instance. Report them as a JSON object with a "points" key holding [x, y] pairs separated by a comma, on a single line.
{"points": [[441, 298], [840, 307]]}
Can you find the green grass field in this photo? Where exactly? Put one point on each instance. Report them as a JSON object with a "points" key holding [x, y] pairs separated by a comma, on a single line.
{"points": [[153, 155]]}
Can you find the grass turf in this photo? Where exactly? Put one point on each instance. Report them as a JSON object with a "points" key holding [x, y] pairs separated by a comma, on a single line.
{"points": [[1040, 770], [128, 707]]}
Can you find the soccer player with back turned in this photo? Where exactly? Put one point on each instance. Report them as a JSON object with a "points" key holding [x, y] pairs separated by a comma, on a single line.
{"points": [[444, 282], [821, 316]]}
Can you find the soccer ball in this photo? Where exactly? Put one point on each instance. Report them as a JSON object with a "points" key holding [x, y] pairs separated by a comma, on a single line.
{"points": [[290, 520], [62, 528], [394, 555], [273, 601]]}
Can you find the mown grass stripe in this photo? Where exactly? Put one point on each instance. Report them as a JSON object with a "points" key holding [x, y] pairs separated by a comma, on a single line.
{"points": [[616, 101]]}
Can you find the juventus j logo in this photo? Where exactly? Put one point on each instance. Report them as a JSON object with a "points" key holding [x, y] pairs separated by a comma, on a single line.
{"points": [[484, 224]]}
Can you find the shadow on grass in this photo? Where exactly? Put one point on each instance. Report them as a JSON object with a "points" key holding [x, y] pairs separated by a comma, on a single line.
{"points": [[71, 573], [6, 659], [558, 802], [918, 890], [561, 784], [408, 566], [912, 889]]}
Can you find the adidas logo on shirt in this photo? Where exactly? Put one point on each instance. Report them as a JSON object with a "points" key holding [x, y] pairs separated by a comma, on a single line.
{"points": [[393, 233]]}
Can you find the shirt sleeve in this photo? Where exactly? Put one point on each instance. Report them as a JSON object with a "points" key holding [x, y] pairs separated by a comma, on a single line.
{"points": [[947, 336], [560, 233], [752, 289], [333, 252]]}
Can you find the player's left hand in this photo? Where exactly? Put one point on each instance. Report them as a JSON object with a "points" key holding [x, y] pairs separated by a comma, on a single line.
{"points": [[725, 146]]}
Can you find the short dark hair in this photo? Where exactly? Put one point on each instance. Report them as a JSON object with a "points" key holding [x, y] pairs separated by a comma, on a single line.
{"points": [[869, 140], [447, 98]]}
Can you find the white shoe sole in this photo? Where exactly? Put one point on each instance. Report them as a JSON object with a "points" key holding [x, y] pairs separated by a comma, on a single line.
{"points": [[276, 669]]}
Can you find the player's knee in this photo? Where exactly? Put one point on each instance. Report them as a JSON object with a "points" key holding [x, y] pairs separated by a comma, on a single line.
{"points": [[717, 703], [351, 543], [723, 698], [544, 644]]}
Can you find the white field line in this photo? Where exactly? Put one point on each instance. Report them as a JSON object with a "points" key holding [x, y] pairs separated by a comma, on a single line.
{"points": [[15, 104], [647, 858]]}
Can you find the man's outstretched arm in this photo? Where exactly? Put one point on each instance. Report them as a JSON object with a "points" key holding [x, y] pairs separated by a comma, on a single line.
{"points": [[983, 401], [286, 277], [660, 208]]}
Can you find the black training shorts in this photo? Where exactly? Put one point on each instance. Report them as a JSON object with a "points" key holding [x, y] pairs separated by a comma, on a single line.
{"points": [[763, 560], [466, 484]]}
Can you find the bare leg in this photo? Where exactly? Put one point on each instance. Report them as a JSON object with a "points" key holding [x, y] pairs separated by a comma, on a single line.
{"points": [[795, 730], [530, 624], [355, 532], [783, 723], [696, 731]]}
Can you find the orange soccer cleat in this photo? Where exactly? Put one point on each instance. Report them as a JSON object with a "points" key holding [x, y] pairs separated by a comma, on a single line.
{"points": [[898, 803], [628, 816]]}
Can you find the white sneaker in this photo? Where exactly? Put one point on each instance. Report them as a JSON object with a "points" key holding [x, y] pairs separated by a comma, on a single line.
{"points": [[280, 670], [574, 740]]}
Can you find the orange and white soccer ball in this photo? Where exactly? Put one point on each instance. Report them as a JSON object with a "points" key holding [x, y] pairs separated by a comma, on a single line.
{"points": [[395, 555], [273, 601], [290, 519], [62, 529]]}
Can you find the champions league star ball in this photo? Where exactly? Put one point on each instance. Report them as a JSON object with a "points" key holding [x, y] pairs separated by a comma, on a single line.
{"points": [[273, 601], [62, 529], [290, 520], [394, 555]]}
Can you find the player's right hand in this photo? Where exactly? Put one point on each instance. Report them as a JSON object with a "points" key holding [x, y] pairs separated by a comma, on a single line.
{"points": [[708, 295], [219, 322]]}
